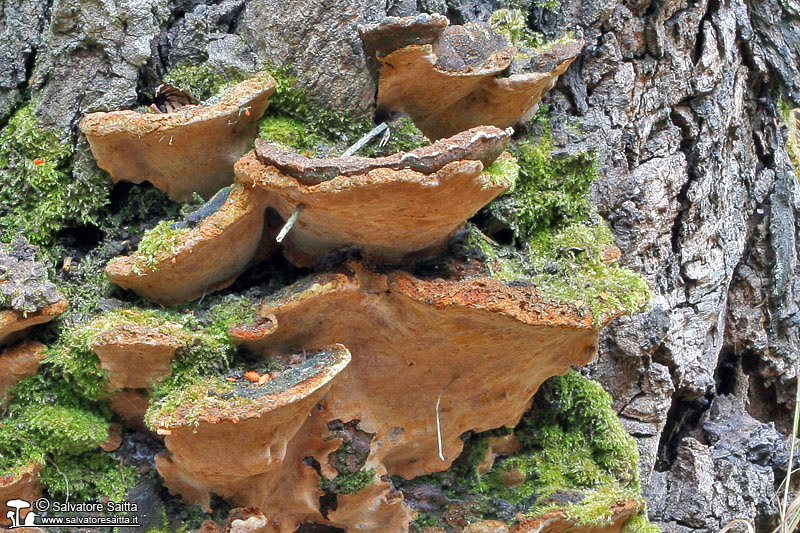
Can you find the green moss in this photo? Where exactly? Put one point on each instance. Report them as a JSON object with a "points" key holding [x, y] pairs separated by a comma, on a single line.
{"points": [[575, 456], [40, 194], [513, 25], [47, 421], [72, 358], [83, 286], [202, 81], [290, 100], [504, 171], [551, 5], [157, 243], [207, 352], [67, 429], [189, 393], [405, 136], [294, 121], [87, 477], [793, 139], [641, 524], [504, 263], [227, 311], [550, 191], [348, 482], [287, 131], [568, 265]]}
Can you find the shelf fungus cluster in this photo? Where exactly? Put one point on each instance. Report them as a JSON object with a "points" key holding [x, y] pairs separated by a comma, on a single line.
{"points": [[394, 209], [374, 367], [449, 78], [190, 149]]}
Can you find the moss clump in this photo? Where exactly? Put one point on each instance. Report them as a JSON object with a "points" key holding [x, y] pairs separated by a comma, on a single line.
{"points": [[190, 395], [503, 171], [348, 482], [91, 477], [294, 121], [405, 136], [51, 423], [504, 263], [68, 429], [640, 524], [289, 132], [202, 81], [207, 352], [160, 241], [291, 101], [575, 456], [513, 25], [569, 265], [40, 195], [793, 139], [550, 191]]}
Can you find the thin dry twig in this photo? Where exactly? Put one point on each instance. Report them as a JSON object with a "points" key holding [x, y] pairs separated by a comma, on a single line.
{"points": [[733, 523], [788, 481], [289, 223], [438, 423]]}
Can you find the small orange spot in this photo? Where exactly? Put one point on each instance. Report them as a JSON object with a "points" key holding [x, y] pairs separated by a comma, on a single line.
{"points": [[247, 112], [252, 375], [230, 379], [264, 378], [163, 431], [603, 295], [38, 161]]}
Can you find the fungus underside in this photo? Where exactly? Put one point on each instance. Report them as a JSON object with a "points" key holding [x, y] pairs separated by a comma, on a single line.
{"points": [[575, 457]]}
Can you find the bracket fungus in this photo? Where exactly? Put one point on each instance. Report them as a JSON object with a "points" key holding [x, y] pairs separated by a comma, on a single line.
{"points": [[556, 521], [390, 211], [14, 324], [23, 487], [191, 149], [471, 354], [253, 424], [393, 208], [180, 265], [450, 78], [137, 356], [18, 362]]}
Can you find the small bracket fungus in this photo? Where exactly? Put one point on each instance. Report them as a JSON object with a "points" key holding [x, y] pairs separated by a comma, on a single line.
{"points": [[18, 491], [230, 443], [619, 514], [14, 324], [393, 208], [137, 356], [185, 263], [448, 79], [482, 144], [18, 362], [191, 149]]}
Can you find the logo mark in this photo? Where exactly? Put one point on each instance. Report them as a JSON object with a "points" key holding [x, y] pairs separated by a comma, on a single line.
{"points": [[17, 505]]}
